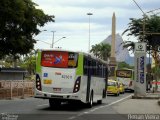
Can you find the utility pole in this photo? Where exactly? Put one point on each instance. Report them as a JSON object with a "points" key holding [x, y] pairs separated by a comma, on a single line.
{"points": [[89, 14]]}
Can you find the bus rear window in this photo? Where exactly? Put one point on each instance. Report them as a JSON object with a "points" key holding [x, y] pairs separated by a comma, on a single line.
{"points": [[59, 59]]}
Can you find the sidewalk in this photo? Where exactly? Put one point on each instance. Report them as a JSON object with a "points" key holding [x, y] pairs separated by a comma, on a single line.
{"points": [[142, 105], [148, 96]]}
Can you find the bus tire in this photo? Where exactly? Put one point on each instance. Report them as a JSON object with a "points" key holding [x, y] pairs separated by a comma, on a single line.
{"points": [[90, 104], [117, 94], [54, 103], [104, 94], [99, 101]]}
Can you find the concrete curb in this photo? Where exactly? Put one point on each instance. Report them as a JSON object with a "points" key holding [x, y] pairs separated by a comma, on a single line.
{"points": [[144, 97]]}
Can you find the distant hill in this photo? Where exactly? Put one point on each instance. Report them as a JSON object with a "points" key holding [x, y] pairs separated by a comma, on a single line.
{"points": [[122, 54]]}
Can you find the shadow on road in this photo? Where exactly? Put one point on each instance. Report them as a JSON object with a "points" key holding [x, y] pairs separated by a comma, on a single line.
{"points": [[72, 107]]}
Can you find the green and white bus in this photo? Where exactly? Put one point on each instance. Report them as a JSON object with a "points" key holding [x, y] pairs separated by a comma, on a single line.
{"points": [[70, 76]]}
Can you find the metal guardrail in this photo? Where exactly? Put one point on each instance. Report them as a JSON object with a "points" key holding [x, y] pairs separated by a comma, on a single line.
{"points": [[16, 88]]}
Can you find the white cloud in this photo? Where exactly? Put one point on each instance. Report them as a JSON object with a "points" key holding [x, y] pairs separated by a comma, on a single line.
{"points": [[71, 20]]}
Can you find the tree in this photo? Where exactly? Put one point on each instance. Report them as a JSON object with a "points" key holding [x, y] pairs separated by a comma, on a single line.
{"points": [[19, 21], [152, 25], [101, 51], [105, 51], [96, 50], [124, 65], [29, 62]]}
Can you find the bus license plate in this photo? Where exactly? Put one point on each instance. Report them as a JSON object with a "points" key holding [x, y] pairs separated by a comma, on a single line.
{"points": [[56, 89], [47, 81]]}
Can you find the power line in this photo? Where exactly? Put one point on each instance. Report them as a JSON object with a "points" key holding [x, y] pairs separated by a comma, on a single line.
{"points": [[139, 7]]}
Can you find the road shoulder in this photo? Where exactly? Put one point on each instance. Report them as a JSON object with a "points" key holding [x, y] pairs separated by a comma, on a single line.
{"points": [[137, 106]]}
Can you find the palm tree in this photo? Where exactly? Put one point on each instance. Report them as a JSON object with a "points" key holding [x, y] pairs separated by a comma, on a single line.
{"points": [[105, 51], [129, 45], [101, 50], [96, 50]]}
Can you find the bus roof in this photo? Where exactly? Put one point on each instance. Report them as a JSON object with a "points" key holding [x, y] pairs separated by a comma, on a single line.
{"points": [[51, 49], [125, 69], [86, 54]]}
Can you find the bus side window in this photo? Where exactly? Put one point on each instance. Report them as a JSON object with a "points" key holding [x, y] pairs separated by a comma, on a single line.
{"points": [[98, 69], [101, 70], [104, 71], [94, 68]]}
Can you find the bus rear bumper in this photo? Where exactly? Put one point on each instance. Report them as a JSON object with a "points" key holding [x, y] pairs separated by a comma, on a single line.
{"points": [[65, 97]]}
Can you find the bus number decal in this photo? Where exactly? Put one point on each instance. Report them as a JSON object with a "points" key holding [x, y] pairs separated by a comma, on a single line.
{"points": [[66, 76]]}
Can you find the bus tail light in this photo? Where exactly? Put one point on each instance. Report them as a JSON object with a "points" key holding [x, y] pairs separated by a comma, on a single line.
{"points": [[77, 85], [38, 82]]}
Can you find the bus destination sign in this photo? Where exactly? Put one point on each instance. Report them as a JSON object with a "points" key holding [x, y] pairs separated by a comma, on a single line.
{"points": [[124, 73]]}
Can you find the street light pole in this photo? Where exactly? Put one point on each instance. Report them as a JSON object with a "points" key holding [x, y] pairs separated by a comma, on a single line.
{"points": [[59, 39], [44, 42], [53, 39], [89, 14]]}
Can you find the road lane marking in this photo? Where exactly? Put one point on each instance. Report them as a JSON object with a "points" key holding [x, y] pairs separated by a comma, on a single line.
{"points": [[111, 103], [73, 117], [86, 112], [42, 105], [100, 107], [80, 114]]}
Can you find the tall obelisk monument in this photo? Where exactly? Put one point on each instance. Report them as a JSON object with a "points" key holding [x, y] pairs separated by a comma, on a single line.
{"points": [[113, 35], [113, 62]]}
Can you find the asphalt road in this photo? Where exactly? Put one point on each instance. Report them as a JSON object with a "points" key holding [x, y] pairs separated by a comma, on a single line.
{"points": [[38, 109]]}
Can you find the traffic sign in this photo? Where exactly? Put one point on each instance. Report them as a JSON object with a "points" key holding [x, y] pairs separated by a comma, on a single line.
{"points": [[140, 69], [140, 47]]}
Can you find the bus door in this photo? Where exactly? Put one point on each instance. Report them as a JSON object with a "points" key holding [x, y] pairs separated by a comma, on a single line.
{"points": [[88, 78]]}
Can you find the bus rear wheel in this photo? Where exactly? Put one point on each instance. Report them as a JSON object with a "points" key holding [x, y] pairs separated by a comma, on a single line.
{"points": [[99, 101], [54, 103], [90, 104]]}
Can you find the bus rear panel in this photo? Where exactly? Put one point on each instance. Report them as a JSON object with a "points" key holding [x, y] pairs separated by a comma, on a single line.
{"points": [[125, 76], [57, 76], [70, 76]]}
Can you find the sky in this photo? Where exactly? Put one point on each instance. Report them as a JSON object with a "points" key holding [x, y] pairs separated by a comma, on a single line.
{"points": [[72, 21]]}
